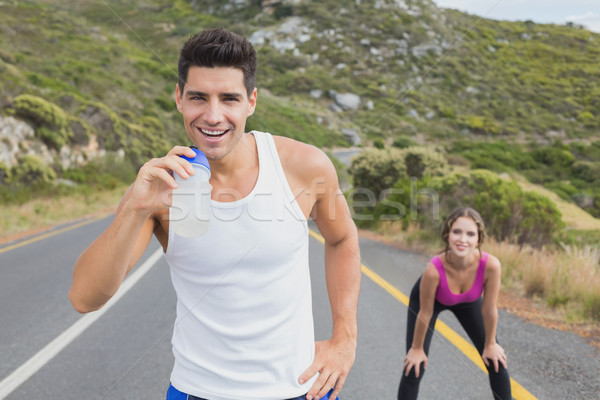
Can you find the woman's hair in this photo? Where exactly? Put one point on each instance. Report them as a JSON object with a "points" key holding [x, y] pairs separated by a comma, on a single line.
{"points": [[218, 48], [463, 212]]}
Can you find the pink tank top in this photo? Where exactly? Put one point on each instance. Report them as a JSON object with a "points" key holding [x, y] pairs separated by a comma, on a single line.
{"points": [[443, 293]]}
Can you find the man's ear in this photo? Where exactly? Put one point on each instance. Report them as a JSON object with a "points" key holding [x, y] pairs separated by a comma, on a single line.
{"points": [[252, 101], [178, 99]]}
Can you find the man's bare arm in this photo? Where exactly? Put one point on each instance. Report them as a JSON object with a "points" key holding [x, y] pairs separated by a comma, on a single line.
{"points": [[101, 268]]}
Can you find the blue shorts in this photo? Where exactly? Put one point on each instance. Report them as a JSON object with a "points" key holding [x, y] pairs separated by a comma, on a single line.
{"points": [[174, 394]]}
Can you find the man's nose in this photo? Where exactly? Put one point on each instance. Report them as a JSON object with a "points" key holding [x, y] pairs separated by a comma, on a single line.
{"points": [[214, 114]]}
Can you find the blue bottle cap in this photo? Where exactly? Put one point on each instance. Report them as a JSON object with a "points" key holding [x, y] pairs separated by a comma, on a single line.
{"points": [[200, 158]]}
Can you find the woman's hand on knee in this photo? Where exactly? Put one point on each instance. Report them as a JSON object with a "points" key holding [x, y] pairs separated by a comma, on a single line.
{"points": [[495, 354], [413, 359]]}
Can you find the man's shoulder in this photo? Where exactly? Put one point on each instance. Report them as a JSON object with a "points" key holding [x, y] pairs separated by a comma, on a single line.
{"points": [[295, 154]]}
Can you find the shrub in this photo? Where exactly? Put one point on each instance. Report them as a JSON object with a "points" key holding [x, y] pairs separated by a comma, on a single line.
{"points": [[4, 173], [377, 170], [31, 170], [557, 157], [497, 156], [379, 144], [421, 161], [403, 142], [409, 200], [587, 119], [50, 120], [564, 190], [480, 125], [539, 220], [510, 214], [586, 170]]}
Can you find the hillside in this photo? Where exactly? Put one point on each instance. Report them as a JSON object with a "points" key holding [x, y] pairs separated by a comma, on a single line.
{"points": [[102, 76]]}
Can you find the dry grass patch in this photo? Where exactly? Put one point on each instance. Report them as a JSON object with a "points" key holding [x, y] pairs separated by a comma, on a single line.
{"points": [[568, 279], [572, 215], [38, 214]]}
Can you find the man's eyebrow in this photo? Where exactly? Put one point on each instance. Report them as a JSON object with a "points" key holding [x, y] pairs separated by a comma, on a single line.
{"points": [[189, 93], [195, 93], [232, 94]]}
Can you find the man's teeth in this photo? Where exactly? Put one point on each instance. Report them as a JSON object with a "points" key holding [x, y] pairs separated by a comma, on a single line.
{"points": [[212, 133]]}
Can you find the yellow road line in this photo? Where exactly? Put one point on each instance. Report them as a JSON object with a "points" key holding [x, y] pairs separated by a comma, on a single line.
{"points": [[52, 233], [518, 391]]}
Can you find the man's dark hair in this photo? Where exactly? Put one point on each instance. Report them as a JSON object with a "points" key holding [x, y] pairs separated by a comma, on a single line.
{"points": [[218, 47]]}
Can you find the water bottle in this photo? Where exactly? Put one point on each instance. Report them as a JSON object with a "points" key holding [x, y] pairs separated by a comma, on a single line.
{"points": [[190, 210]]}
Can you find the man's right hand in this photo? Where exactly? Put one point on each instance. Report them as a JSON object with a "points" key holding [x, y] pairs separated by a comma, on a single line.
{"points": [[154, 184]]}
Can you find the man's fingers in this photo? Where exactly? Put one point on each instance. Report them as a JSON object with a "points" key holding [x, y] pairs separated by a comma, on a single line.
{"points": [[164, 176], [338, 387], [318, 386], [172, 163], [327, 386], [182, 150], [309, 373]]}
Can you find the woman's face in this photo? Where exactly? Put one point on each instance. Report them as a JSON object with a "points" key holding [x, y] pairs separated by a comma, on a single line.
{"points": [[463, 237]]}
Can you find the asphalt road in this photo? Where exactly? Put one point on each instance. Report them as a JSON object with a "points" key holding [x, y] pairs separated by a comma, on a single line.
{"points": [[126, 352]]}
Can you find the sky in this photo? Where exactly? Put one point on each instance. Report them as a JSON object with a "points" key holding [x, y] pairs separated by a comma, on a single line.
{"points": [[581, 12]]}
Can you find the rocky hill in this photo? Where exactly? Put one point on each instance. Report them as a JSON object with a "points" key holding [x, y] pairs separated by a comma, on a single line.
{"points": [[81, 80]]}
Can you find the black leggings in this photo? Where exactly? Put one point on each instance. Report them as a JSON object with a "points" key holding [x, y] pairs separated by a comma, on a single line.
{"points": [[470, 317]]}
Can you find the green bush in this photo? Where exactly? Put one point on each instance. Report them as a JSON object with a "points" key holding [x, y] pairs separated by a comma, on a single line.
{"points": [[50, 120], [510, 214], [4, 174], [496, 156], [586, 170], [409, 200], [587, 119], [403, 142], [539, 220], [586, 152], [144, 140], [421, 161], [105, 172], [479, 125], [377, 170], [564, 190], [379, 144], [31, 170], [555, 156]]}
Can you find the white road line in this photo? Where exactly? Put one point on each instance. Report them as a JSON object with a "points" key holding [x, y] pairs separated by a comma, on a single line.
{"points": [[35, 363]]}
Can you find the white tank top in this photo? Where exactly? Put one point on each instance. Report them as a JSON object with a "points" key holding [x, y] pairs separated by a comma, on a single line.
{"points": [[244, 326]]}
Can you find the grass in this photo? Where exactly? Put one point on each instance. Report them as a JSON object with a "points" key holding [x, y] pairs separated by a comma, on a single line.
{"points": [[572, 215], [567, 280], [35, 215]]}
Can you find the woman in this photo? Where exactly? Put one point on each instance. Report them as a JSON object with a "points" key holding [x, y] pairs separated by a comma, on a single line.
{"points": [[466, 281]]}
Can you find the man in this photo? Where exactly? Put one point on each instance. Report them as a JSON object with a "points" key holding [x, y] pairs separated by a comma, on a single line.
{"points": [[244, 327]]}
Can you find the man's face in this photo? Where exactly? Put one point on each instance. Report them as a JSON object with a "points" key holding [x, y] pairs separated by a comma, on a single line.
{"points": [[215, 106]]}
